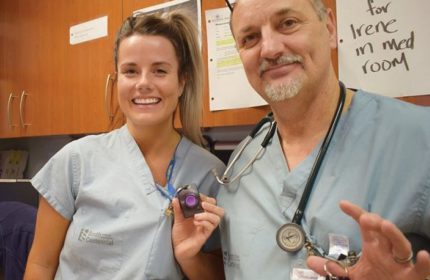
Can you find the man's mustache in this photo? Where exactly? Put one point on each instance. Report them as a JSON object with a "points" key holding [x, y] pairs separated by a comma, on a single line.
{"points": [[282, 60]]}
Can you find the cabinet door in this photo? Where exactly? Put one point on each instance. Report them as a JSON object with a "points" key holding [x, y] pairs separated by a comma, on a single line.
{"points": [[59, 87], [28, 70], [79, 72], [19, 73], [129, 6], [8, 121]]}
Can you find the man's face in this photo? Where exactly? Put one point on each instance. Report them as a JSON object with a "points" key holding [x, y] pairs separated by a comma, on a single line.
{"points": [[283, 44]]}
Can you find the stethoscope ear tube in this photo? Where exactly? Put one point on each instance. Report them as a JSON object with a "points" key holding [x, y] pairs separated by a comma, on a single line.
{"points": [[224, 180], [260, 124], [269, 135]]}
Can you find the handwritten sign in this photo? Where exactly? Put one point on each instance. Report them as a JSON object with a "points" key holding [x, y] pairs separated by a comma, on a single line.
{"points": [[384, 46]]}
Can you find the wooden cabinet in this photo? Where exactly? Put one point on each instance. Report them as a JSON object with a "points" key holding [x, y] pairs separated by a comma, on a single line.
{"points": [[19, 87], [6, 96], [87, 66], [48, 86]]}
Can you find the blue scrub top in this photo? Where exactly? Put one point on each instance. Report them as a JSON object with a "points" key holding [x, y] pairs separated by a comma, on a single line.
{"points": [[118, 229], [379, 158]]}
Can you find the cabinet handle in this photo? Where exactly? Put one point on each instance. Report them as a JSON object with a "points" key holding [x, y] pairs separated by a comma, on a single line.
{"points": [[9, 111], [107, 97], [21, 109]]}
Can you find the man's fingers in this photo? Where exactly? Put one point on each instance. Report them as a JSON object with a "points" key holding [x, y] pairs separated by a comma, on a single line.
{"points": [[401, 247], [365, 222], [422, 265], [317, 264], [351, 210]]}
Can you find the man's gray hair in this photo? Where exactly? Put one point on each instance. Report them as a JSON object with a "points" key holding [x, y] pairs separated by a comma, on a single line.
{"points": [[320, 8]]}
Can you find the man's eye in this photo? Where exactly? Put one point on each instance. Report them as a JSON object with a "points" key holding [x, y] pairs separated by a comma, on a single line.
{"points": [[249, 41], [288, 24]]}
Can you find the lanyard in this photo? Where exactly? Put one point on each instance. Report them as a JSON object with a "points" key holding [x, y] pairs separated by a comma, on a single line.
{"points": [[170, 188], [171, 191]]}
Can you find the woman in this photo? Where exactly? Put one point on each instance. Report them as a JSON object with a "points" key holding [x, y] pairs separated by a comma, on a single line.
{"points": [[105, 207]]}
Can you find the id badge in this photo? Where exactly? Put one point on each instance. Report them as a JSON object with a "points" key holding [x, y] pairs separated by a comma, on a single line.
{"points": [[339, 245]]}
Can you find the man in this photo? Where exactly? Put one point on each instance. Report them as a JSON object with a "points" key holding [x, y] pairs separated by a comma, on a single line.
{"points": [[378, 158]]}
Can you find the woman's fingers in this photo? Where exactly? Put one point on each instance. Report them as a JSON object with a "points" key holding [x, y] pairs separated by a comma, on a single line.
{"points": [[177, 210], [208, 199], [212, 213]]}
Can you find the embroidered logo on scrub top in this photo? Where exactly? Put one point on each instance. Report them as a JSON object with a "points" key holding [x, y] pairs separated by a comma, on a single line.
{"points": [[87, 235]]}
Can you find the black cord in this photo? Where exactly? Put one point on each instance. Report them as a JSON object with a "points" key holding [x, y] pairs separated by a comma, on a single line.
{"points": [[297, 219]]}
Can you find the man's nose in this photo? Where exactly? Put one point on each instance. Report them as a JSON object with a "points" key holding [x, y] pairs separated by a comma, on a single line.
{"points": [[271, 44]]}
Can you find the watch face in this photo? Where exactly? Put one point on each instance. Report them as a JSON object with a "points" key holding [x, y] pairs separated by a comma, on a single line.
{"points": [[290, 237]]}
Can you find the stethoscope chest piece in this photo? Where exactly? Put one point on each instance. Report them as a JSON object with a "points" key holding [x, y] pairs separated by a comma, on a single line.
{"points": [[290, 237]]}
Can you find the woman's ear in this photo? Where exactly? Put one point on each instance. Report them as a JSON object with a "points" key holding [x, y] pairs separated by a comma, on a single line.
{"points": [[182, 82]]}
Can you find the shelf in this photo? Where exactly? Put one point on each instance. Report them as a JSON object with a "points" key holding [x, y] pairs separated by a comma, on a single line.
{"points": [[14, 180]]}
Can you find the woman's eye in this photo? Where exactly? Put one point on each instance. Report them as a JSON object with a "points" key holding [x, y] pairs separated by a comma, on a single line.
{"points": [[160, 71], [128, 72]]}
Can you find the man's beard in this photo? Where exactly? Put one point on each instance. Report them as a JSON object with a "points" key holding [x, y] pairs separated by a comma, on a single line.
{"points": [[283, 91]]}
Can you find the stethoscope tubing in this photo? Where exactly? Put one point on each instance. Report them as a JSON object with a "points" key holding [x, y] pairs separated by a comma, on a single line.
{"points": [[298, 215], [224, 179], [315, 168]]}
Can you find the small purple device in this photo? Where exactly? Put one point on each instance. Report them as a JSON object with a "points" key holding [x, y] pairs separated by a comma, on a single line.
{"points": [[189, 199]]}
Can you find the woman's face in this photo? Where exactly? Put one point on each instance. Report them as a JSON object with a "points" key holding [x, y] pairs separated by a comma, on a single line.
{"points": [[148, 83]]}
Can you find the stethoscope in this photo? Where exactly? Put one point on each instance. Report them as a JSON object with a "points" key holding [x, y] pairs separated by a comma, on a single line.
{"points": [[290, 237], [225, 180]]}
